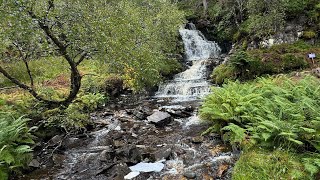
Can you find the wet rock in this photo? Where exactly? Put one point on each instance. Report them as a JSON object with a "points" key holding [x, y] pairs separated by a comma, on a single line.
{"points": [[316, 72], [139, 115], [55, 140], [118, 172], [34, 163], [177, 110], [129, 154], [163, 153], [190, 175], [197, 139], [58, 159], [107, 155], [142, 112], [160, 119], [70, 143]]}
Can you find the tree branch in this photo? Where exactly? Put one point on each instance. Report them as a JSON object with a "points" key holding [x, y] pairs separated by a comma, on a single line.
{"points": [[24, 59], [82, 57]]}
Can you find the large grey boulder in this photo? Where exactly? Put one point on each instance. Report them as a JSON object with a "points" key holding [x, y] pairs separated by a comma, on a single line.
{"points": [[159, 118]]}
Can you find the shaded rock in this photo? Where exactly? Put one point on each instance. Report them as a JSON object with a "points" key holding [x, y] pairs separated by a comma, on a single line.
{"points": [[55, 140], [129, 154], [71, 143], [34, 163], [190, 175], [58, 159], [163, 153], [160, 118], [140, 115]]}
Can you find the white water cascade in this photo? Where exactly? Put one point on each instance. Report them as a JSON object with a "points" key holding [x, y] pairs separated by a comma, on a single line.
{"points": [[191, 84]]}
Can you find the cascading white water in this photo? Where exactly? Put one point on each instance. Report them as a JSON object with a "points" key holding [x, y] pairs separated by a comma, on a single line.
{"points": [[191, 83]]}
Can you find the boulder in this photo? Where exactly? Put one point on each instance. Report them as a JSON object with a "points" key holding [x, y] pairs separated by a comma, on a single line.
{"points": [[160, 119]]}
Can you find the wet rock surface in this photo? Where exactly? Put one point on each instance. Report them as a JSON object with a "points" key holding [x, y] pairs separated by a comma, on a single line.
{"points": [[122, 141]]}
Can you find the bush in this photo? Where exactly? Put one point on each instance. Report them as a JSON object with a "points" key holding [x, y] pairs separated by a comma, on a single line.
{"points": [[222, 73], [15, 140]]}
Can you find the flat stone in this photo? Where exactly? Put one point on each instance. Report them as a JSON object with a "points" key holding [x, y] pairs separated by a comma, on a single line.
{"points": [[160, 118]]}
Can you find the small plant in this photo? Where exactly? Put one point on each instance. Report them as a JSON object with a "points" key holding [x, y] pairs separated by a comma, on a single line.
{"points": [[15, 141]]}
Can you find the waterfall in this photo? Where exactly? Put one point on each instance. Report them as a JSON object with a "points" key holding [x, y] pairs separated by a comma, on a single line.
{"points": [[192, 83]]}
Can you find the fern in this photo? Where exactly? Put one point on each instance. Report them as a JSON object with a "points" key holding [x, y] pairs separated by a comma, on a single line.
{"points": [[15, 139]]}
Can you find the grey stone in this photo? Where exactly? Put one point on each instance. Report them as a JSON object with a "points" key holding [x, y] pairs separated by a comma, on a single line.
{"points": [[163, 153], [190, 175], [34, 163], [160, 118]]}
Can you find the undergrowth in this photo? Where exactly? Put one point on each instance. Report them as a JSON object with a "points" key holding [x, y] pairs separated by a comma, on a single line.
{"points": [[15, 141], [270, 113], [247, 65]]}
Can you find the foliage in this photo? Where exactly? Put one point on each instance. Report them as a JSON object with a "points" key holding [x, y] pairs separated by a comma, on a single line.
{"points": [[309, 34], [269, 112], [15, 140], [137, 37], [222, 73], [265, 165], [246, 65], [76, 116]]}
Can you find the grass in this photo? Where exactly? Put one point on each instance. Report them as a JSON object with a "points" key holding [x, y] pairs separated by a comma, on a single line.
{"points": [[270, 165]]}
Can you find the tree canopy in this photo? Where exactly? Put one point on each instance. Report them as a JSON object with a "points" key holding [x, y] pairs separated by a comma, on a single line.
{"points": [[132, 38]]}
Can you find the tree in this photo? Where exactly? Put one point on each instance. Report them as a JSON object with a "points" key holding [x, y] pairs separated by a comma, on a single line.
{"points": [[125, 34]]}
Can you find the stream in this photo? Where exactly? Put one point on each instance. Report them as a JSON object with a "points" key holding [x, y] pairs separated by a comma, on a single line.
{"points": [[141, 138]]}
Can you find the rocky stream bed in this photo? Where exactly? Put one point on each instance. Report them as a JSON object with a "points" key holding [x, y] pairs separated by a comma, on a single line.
{"points": [[163, 141]]}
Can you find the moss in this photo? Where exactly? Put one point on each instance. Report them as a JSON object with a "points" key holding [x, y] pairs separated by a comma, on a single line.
{"points": [[265, 165]]}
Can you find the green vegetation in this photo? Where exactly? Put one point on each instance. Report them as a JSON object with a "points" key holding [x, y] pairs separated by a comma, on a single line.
{"points": [[265, 165], [246, 65], [15, 141], [251, 20], [269, 112]]}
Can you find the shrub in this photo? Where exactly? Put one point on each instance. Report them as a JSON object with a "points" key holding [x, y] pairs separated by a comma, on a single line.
{"points": [[15, 140], [222, 73]]}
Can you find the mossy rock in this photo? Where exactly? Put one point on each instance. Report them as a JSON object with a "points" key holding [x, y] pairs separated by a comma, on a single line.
{"points": [[309, 34]]}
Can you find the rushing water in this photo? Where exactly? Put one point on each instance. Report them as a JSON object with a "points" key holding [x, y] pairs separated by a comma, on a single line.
{"points": [[192, 83]]}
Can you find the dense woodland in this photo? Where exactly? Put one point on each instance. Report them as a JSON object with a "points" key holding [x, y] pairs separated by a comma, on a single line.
{"points": [[61, 60]]}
